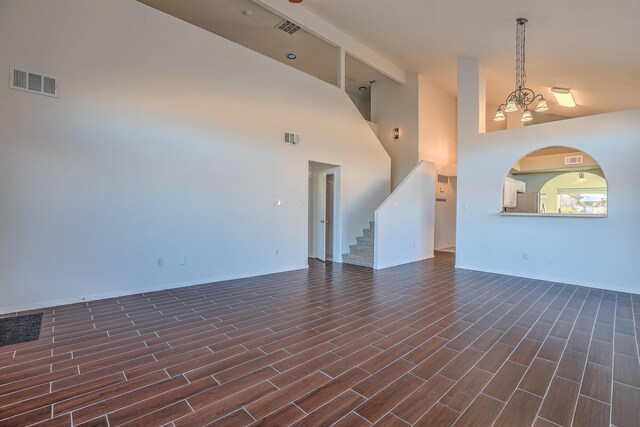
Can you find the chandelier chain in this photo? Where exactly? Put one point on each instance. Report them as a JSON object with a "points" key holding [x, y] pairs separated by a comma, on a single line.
{"points": [[522, 97], [521, 74]]}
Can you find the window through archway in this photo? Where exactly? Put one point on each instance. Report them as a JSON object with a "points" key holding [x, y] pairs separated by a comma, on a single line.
{"points": [[556, 181]]}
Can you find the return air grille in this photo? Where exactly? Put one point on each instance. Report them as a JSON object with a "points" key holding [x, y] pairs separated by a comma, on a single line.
{"points": [[288, 27], [49, 86], [19, 79], [573, 160], [35, 82], [291, 138], [28, 81]]}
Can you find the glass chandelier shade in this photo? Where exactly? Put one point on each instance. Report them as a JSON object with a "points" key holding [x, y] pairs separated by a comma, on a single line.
{"points": [[522, 97], [526, 116]]}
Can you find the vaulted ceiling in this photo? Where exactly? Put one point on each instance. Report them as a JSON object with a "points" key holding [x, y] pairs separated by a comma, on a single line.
{"points": [[589, 46], [251, 25]]}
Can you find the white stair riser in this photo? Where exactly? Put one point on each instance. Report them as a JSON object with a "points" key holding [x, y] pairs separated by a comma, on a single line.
{"points": [[362, 252], [356, 260], [364, 247], [365, 241]]}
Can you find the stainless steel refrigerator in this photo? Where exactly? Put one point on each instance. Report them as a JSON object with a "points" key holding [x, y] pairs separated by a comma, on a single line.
{"points": [[528, 203]]}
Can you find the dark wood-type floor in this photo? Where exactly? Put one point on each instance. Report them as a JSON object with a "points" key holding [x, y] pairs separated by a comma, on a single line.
{"points": [[422, 344]]}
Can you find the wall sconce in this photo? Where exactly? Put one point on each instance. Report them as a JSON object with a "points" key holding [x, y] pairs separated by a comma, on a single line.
{"points": [[396, 133]]}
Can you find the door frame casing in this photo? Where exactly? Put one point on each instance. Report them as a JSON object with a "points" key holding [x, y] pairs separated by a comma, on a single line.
{"points": [[334, 170]]}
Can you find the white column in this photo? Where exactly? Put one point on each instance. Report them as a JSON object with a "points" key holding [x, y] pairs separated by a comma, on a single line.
{"points": [[472, 103]]}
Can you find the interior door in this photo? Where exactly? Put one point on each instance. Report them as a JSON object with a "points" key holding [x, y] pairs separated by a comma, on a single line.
{"points": [[321, 216]]}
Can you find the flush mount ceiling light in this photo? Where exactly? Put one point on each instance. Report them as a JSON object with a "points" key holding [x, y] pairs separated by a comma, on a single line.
{"points": [[362, 88], [564, 97], [291, 56], [522, 97]]}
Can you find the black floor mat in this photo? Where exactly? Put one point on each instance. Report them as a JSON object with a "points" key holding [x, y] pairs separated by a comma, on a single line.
{"points": [[18, 329]]}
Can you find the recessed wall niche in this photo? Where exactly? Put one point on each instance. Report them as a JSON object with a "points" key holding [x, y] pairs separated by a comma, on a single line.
{"points": [[556, 181]]}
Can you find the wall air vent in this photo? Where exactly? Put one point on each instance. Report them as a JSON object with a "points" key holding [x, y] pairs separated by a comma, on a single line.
{"points": [[288, 27], [291, 138], [573, 160], [19, 79], [33, 82], [49, 86], [443, 179]]}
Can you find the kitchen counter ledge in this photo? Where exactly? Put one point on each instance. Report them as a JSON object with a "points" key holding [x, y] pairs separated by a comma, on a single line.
{"points": [[552, 215]]}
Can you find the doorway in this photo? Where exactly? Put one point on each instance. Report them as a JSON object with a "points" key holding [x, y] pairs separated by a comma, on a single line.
{"points": [[324, 212], [329, 195], [445, 214]]}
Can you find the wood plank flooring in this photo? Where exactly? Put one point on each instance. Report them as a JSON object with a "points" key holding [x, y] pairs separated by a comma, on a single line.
{"points": [[422, 344]]}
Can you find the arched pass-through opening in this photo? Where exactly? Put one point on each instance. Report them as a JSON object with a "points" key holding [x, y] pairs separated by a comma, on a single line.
{"points": [[556, 181]]}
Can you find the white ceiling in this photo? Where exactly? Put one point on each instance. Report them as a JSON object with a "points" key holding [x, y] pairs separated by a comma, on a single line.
{"points": [[257, 30], [589, 46]]}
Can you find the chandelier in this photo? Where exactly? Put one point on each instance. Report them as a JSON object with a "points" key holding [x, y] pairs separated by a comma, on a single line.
{"points": [[522, 97]]}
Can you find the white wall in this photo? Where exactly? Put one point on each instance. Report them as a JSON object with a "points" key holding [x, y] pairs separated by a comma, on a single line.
{"points": [[438, 144], [426, 116], [363, 105], [404, 228], [396, 105], [600, 252], [437, 124], [374, 127], [165, 142]]}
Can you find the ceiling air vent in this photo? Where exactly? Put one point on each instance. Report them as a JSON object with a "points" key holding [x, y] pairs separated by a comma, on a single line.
{"points": [[288, 27], [291, 138], [573, 160], [32, 82]]}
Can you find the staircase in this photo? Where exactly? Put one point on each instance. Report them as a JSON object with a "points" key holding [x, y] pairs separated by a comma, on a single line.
{"points": [[362, 252]]}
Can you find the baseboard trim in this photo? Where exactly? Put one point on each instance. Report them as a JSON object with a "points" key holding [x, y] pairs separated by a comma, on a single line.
{"points": [[550, 279], [128, 292]]}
